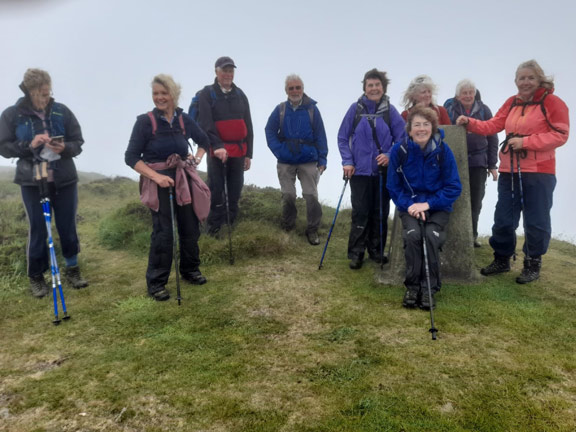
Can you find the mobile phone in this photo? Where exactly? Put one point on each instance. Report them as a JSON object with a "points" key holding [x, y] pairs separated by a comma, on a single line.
{"points": [[57, 139]]}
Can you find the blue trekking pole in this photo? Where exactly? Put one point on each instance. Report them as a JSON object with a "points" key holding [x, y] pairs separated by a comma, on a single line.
{"points": [[174, 246], [41, 177], [333, 222]]}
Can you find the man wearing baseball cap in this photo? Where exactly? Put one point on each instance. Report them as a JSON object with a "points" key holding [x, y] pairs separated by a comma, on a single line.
{"points": [[224, 114]]}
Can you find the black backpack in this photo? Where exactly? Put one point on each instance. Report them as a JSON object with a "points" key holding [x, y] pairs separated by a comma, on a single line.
{"points": [[383, 111], [542, 107]]}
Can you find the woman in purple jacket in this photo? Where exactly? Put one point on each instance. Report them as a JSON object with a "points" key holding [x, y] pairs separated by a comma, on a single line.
{"points": [[369, 129]]}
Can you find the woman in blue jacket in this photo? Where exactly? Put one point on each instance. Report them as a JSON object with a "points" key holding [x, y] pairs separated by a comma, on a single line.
{"points": [[369, 129], [423, 182]]}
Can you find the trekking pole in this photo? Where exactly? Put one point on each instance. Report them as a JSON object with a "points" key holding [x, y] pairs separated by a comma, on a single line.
{"points": [[41, 177], [333, 222], [381, 219], [230, 255], [433, 329], [506, 149], [521, 192], [175, 247]]}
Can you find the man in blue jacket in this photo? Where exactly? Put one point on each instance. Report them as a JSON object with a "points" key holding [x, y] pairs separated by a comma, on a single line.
{"points": [[295, 134]]}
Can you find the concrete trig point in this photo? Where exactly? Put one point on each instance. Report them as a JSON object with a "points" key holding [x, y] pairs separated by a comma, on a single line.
{"points": [[457, 256]]}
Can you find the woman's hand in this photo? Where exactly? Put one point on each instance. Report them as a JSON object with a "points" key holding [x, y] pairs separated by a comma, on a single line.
{"points": [[516, 143], [57, 146], [39, 140], [418, 210], [382, 159], [247, 163], [348, 171], [162, 180], [462, 120]]}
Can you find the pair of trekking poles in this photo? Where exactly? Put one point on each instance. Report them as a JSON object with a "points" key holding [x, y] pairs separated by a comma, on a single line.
{"points": [[41, 177], [433, 330]]}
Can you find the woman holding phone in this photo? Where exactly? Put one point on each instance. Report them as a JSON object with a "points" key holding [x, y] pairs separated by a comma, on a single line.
{"points": [[41, 132]]}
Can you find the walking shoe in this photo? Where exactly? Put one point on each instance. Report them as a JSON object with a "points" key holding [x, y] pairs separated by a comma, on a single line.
{"points": [[410, 297], [531, 270], [195, 278], [355, 263], [477, 244], [38, 287], [287, 226], [376, 258], [213, 231], [313, 238], [161, 295], [499, 265], [425, 299], [72, 275]]}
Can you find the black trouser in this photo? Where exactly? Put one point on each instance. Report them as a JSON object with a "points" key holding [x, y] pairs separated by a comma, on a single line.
{"points": [[63, 204], [365, 226], [477, 177], [414, 253], [161, 242], [235, 181]]}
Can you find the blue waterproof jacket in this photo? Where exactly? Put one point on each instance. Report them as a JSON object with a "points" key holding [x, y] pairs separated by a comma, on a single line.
{"points": [[299, 141], [418, 176], [357, 146]]}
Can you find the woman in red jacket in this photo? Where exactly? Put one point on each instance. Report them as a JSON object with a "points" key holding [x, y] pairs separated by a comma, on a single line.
{"points": [[421, 92], [536, 123]]}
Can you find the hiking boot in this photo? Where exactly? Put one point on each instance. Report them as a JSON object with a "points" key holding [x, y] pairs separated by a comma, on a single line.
{"points": [[410, 297], [355, 263], [72, 275], [531, 270], [425, 299], [313, 238], [38, 287], [499, 265], [213, 231], [195, 278], [477, 244], [376, 259], [161, 295], [287, 226]]}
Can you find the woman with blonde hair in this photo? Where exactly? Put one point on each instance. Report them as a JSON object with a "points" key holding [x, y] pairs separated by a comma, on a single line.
{"points": [[536, 123], [159, 151]]}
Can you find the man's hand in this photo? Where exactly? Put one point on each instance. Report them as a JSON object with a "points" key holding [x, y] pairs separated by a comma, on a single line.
{"points": [[221, 154], [321, 169], [247, 163]]}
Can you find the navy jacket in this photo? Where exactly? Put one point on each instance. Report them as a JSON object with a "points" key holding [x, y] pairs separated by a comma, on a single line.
{"points": [[301, 142], [18, 126], [482, 150], [145, 146], [424, 176]]}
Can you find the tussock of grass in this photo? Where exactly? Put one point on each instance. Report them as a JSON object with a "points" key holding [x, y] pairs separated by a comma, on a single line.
{"points": [[273, 344]]}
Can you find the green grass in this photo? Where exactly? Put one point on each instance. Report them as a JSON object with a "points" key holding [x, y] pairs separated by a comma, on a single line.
{"points": [[272, 343]]}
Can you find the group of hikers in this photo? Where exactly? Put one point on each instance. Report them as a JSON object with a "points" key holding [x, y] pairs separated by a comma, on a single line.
{"points": [[386, 155]]}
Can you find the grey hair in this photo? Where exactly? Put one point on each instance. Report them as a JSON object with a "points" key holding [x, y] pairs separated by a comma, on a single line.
{"points": [[36, 78], [465, 84], [421, 81], [172, 86], [545, 81], [293, 77]]}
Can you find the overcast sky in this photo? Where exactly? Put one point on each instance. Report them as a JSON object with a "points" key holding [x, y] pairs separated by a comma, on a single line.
{"points": [[102, 55]]}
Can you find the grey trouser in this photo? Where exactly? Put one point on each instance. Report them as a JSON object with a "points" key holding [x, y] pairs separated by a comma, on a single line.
{"points": [[309, 177]]}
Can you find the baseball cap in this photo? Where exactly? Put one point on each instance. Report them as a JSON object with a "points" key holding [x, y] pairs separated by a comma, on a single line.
{"points": [[224, 61]]}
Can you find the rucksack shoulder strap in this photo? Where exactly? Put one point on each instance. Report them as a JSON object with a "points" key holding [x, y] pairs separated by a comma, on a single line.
{"points": [[152, 118]]}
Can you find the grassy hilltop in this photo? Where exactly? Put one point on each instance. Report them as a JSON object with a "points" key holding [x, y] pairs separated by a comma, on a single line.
{"points": [[272, 343]]}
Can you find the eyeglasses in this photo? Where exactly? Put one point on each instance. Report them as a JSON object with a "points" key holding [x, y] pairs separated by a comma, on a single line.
{"points": [[294, 88]]}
